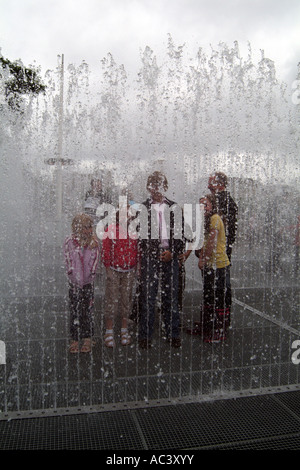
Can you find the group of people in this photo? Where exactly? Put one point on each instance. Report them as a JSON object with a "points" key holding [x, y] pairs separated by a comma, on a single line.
{"points": [[147, 262]]}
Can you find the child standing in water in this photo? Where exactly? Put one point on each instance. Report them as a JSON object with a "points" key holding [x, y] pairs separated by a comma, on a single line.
{"points": [[82, 256], [214, 265], [120, 258]]}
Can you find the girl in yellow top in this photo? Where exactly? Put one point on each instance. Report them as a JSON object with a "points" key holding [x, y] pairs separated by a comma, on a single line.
{"points": [[213, 253], [214, 265]]}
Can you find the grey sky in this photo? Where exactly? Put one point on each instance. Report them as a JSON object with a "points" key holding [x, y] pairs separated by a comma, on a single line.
{"points": [[36, 31]]}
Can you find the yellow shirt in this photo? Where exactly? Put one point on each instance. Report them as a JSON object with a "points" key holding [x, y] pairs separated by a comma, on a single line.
{"points": [[219, 258]]}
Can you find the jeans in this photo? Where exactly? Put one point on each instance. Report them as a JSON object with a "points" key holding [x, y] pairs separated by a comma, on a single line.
{"points": [[154, 271], [81, 303]]}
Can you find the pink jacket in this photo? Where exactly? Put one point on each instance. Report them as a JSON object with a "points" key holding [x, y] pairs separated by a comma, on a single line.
{"points": [[81, 262]]}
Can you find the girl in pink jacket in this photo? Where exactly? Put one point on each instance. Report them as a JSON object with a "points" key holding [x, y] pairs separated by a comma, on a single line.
{"points": [[82, 253]]}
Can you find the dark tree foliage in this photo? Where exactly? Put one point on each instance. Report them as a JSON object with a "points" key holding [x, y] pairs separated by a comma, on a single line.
{"points": [[22, 81]]}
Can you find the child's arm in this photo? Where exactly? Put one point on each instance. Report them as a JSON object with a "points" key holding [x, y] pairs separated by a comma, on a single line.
{"points": [[106, 251], [206, 253], [96, 260]]}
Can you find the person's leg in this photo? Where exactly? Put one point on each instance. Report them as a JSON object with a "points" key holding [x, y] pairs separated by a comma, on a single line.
{"points": [[126, 287], [296, 262], [222, 303], [111, 305], [181, 287], [197, 326], [209, 279], [87, 311], [74, 317], [148, 291], [169, 289], [87, 317], [228, 296]]}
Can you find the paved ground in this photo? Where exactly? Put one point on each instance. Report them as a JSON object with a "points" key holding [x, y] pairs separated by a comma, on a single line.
{"points": [[40, 374]]}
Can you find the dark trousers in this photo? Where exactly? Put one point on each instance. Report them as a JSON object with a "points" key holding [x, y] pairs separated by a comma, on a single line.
{"points": [[181, 287], [81, 303], [154, 271], [216, 302], [297, 257]]}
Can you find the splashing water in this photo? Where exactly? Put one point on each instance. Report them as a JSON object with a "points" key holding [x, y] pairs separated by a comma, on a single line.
{"points": [[187, 116]]}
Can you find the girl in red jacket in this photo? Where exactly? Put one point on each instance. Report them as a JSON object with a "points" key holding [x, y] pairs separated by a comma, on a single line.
{"points": [[120, 257]]}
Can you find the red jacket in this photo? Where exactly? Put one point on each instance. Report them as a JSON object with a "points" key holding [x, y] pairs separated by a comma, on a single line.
{"points": [[119, 252]]}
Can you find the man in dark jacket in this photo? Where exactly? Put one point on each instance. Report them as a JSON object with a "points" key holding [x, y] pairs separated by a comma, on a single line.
{"points": [[227, 207], [160, 248]]}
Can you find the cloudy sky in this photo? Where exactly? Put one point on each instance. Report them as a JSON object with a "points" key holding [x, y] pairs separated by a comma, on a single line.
{"points": [[37, 31]]}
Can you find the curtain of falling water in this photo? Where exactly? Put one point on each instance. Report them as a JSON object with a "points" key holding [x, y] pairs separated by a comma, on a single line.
{"points": [[186, 116]]}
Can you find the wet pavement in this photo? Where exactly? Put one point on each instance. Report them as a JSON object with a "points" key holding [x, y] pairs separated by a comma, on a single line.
{"points": [[40, 373]]}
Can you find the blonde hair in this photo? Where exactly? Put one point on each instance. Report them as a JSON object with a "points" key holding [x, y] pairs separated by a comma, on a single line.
{"points": [[79, 222], [214, 210]]}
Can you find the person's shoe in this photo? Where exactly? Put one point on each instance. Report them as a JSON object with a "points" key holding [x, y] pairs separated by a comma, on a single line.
{"points": [[175, 342], [125, 337], [217, 338], [211, 340], [109, 339], [74, 347], [87, 345], [196, 330], [145, 343]]}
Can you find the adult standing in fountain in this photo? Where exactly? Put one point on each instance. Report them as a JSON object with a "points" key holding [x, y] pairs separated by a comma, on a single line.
{"points": [[226, 207], [159, 261], [94, 197]]}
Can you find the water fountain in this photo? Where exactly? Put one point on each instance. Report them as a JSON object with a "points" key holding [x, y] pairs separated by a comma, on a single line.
{"points": [[187, 116]]}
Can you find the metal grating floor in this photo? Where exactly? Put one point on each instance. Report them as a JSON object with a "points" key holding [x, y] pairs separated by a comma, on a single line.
{"points": [[265, 422]]}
